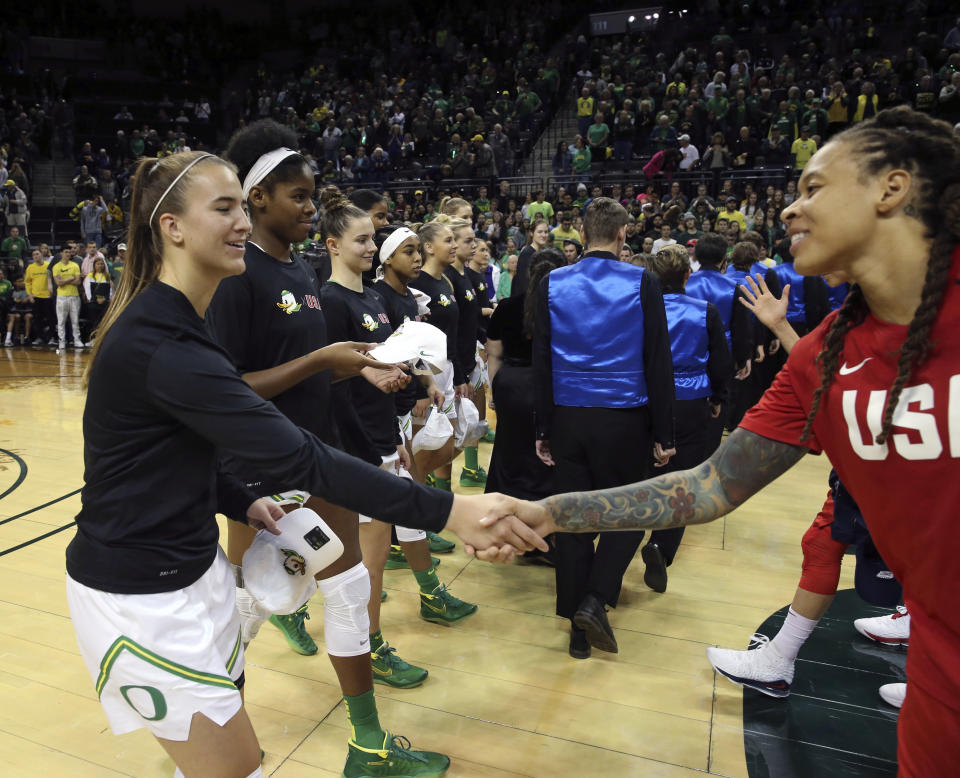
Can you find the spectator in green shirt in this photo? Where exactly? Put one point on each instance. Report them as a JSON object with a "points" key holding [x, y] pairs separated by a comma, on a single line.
{"points": [[14, 246], [582, 159], [540, 207], [598, 135]]}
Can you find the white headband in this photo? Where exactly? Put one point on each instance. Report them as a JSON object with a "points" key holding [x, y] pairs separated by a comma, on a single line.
{"points": [[394, 239], [263, 167], [173, 183]]}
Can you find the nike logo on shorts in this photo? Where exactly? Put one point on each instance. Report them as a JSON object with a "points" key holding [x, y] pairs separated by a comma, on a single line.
{"points": [[844, 370]]}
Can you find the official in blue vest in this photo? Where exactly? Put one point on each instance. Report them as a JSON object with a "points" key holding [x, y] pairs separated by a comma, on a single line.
{"points": [[711, 285], [702, 378], [744, 260], [603, 382]]}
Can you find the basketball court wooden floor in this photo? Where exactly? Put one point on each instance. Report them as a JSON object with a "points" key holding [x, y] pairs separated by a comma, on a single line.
{"points": [[503, 697]]}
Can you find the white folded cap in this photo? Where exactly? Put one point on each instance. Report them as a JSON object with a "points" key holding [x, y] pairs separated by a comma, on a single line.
{"points": [[422, 298], [416, 344], [279, 570]]}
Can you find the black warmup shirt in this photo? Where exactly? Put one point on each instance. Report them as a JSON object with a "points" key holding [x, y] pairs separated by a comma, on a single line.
{"points": [[163, 402], [269, 315], [401, 308], [483, 301], [506, 326], [469, 325], [366, 415], [444, 315]]}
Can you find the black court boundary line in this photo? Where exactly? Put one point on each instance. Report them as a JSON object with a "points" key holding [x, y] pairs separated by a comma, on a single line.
{"points": [[37, 539], [23, 472], [40, 507]]}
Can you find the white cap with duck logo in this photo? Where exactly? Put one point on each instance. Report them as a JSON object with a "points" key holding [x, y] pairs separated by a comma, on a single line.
{"points": [[279, 570], [420, 346]]}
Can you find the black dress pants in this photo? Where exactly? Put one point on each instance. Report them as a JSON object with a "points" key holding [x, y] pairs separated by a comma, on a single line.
{"points": [[597, 448]]}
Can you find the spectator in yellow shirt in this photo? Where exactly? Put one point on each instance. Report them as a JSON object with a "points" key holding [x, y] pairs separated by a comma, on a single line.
{"points": [[38, 288], [66, 278], [803, 148], [585, 106], [565, 231]]}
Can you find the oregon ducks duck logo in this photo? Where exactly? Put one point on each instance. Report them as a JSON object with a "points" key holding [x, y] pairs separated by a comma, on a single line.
{"points": [[369, 323], [288, 303], [443, 300], [469, 295], [294, 564]]}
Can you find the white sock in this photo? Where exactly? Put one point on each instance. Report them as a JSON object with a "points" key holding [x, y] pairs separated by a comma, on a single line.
{"points": [[793, 634]]}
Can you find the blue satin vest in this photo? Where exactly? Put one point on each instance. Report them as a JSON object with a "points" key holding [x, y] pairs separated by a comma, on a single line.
{"points": [[712, 286], [736, 275], [689, 344], [837, 295], [796, 306], [596, 334], [761, 268]]}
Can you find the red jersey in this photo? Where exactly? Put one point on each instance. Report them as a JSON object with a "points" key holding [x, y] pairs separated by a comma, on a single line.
{"points": [[907, 488]]}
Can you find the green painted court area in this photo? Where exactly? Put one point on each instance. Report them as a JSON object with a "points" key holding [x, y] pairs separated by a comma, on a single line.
{"points": [[834, 722]]}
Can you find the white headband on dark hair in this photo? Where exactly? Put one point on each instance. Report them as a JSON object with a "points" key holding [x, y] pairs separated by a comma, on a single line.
{"points": [[394, 239], [264, 166], [173, 183]]}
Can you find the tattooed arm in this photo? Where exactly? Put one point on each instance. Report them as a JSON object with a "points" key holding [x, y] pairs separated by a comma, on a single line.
{"points": [[742, 466]]}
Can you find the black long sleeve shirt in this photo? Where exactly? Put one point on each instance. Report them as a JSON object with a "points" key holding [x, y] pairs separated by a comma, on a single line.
{"points": [[657, 360], [164, 401]]}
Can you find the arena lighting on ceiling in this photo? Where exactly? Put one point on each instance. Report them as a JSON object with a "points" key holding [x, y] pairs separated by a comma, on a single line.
{"points": [[632, 19]]}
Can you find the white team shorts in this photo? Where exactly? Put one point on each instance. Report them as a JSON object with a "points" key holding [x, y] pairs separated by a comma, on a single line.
{"points": [[390, 463], [156, 659], [444, 381], [406, 426]]}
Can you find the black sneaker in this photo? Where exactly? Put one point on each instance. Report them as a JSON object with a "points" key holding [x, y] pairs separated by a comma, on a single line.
{"points": [[655, 575]]}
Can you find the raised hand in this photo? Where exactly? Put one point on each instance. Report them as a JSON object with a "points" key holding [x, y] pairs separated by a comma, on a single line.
{"points": [[760, 300]]}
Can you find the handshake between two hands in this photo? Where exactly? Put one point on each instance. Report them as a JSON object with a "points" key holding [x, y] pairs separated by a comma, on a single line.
{"points": [[493, 527]]}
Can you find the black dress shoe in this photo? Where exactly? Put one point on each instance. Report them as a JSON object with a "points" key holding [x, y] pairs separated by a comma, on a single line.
{"points": [[579, 647], [655, 575], [591, 617]]}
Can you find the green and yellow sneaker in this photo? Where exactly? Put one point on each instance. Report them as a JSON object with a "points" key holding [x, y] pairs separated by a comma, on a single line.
{"points": [[441, 607], [383, 595], [397, 561], [438, 483], [391, 670], [476, 477], [395, 759], [489, 436], [295, 632], [440, 545]]}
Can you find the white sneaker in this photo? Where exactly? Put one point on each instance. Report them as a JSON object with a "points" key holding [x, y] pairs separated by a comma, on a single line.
{"points": [[62, 346], [78, 344], [894, 693], [762, 668], [52, 342], [892, 630], [252, 615]]}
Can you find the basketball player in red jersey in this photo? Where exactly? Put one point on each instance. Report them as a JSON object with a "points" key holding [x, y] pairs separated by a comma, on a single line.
{"points": [[876, 386]]}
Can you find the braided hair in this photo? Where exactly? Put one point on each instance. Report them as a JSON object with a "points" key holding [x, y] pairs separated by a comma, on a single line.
{"points": [[903, 138]]}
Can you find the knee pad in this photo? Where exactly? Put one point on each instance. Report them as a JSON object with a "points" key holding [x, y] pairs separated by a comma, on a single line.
{"points": [[407, 535], [346, 625], [822, 556]]}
